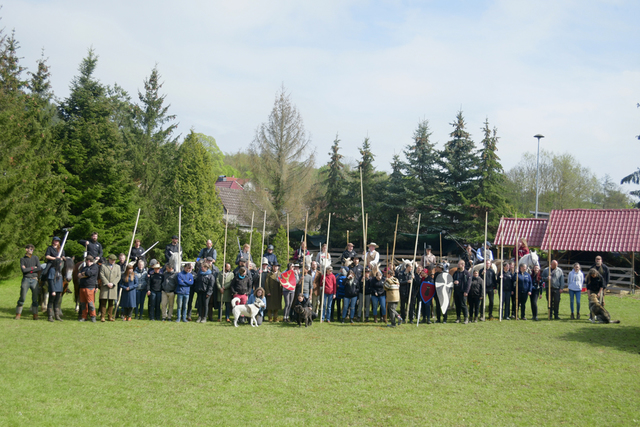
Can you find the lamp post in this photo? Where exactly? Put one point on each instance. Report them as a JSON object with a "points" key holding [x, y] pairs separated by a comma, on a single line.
{"points": [[537, 170]]}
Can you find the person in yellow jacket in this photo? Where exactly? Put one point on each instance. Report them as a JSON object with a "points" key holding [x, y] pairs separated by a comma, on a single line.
{"points": [[392, 288]]}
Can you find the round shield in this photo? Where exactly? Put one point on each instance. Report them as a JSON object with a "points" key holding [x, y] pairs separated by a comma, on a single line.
{"points": [[288, 280], [427, 290]]}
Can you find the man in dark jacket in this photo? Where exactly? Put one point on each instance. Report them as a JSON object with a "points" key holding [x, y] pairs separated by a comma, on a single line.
{"points": [[490, 285], [437, 272], [348, 254], [30, 266], [171, 249], [208, 252], [88, 276], [137, 251], [601, 268], [155, 291], [203, 284], [461, 285], [405, 276], [168, 292], [270, 256], [506, 276], [94, 248], [416, 299]]}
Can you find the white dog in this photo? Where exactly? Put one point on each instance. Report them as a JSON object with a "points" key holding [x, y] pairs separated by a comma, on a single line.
{"points": [[248, 310]]}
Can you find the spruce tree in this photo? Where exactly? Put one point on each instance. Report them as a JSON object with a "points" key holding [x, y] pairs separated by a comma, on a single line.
{"points": [[99, 188], [459, 177], [191, 184], [392, 201], [490, 196], [332, 198]]}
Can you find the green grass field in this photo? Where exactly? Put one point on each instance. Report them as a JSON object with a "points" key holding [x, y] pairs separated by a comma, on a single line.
{"points": [[154, 373]]}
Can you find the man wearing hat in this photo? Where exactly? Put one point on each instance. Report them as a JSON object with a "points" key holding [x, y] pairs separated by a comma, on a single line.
{"points": [[171, 249], [428, 257], [94, 248], [372, 258], [480, 253], [348, 255], [242, 263], [110, 276], [270, 256], [208, 252]]}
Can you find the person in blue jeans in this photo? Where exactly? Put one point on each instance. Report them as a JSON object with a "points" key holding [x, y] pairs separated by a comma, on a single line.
{"points": [[350, 297], [576, 282], [143, 287], [183, 288], [378, 296]]}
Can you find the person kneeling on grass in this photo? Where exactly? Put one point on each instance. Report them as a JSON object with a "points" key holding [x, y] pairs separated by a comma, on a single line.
{"points": [[183, 289], [475, 296], [392, 286], [303, 301], [128, 298], [258, 294]]}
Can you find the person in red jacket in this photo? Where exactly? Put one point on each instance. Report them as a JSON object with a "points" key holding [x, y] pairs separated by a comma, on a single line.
{"points": [[330, 289]]}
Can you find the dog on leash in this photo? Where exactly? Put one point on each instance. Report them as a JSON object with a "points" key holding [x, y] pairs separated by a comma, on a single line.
{"points": [[598, 312], [304, 313], [247, 310]]}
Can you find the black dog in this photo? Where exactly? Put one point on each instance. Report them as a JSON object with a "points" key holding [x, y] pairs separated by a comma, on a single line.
{"points": [[304, 313]]}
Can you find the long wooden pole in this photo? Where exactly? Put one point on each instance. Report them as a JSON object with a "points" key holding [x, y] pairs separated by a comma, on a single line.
{"points": [[347, 237], [501, 266], [304, 258], [549, 268], [324, 271], [387, 264], [484, 280], [393, 252], [364, 281], [633, 272], [250, 234], [441, 254], [133, 236], [224, 262], [179, 238], [413, 266], [288, 238], [264, 226], [517, 266]]}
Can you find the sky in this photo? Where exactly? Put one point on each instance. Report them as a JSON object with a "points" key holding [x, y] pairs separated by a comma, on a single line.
{"points": [[569, 70]]}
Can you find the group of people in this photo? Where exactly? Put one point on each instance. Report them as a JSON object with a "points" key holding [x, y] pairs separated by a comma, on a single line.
{"points": [[359, 288]]}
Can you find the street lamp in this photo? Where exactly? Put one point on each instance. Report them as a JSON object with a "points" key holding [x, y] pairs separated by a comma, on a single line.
{"points": [[537, 170]]}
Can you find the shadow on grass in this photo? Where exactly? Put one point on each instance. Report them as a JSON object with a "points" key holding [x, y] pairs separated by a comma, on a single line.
{"points": [[624, 338]]}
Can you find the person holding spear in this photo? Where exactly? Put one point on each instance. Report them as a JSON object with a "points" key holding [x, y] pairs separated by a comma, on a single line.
{"points": [[54, 256]]}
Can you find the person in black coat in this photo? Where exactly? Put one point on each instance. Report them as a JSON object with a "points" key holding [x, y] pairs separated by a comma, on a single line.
{"points": [[136, 252], [491, 286], [203, 284], [241, 285], [405, 276], [171, 248], [93, 247], [461, 285], [506, 276], [348, 253], [155, 280], [475, 296]]}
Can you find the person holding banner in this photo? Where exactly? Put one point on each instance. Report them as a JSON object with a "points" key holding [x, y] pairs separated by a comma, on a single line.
{"points": [[54, 257]]}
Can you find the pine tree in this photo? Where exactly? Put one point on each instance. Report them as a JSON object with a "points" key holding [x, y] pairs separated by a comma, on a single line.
{"points": [[490, 196], [459, 176], [192, 186], [422, 184], [332, 197], [392, 201], [99, 189]]}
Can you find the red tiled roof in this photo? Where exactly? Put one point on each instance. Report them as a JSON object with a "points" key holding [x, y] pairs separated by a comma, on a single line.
{"points": [[229, 184], [607, 230], [531, 229]]}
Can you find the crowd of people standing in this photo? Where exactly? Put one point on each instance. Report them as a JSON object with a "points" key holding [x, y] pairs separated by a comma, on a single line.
{"points": [[357, 289]]}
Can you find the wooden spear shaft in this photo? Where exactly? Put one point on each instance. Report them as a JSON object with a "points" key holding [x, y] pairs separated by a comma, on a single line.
{"points": [[264, 226], [517, 266], [133, 236], [393, 252], [304, 258], [549, 268], [324, 275], [501, 266], [224, 262], [250, 232], [413, 266], [484, 280], [288, 237]]}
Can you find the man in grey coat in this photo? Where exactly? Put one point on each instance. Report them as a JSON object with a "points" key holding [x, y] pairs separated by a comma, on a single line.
{"points": [[556, 285]]}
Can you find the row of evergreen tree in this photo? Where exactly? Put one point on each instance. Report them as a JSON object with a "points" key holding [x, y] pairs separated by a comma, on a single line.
{"points": [[89, 161], [451, 189]]}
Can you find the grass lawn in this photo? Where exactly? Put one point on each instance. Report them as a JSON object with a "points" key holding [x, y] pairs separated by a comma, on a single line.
{"points": [[154, 373]]}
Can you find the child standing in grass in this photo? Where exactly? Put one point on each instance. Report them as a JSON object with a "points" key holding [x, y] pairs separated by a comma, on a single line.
{"points": [[392, 286]]}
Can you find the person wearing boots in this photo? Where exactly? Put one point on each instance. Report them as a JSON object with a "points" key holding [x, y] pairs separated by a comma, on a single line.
{"points": [[555, 287], [54, 279], [273, 291], [110, 277], [203, 284], [30, 266], [392, 287], [461, 285], [575, 283], [506, 276], [155, 291], [88, 276], [491, 286], [437, 272], [405, 277], [475, 297]]}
